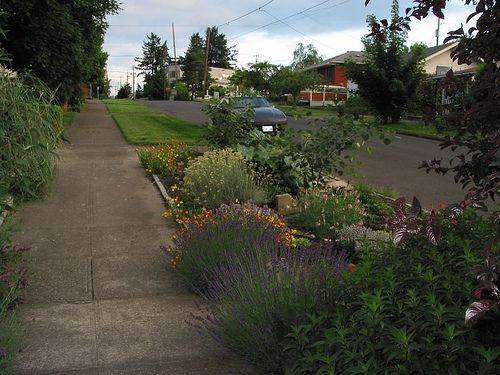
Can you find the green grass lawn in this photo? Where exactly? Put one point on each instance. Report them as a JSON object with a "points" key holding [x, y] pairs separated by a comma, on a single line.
{"points": [[416, 129], [145, 126], [302, 111], [68, 118]]}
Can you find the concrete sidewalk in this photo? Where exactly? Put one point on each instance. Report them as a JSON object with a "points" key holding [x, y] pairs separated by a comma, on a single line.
{"points": [[100, 300]]}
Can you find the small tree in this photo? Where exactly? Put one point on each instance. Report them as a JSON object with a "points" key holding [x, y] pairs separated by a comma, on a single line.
{"points": [[124, 92], [286, 80], [153, 65], [194, 65], [389, 78]]}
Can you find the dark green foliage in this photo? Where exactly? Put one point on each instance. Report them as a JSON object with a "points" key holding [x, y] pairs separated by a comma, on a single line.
{"points": [[58, 41], [219, 54], [124, 92], [194, 66], [153, 65], [217, 88], [257, 77], [30, 129], [402, 311], [226, 126], [389, 78]]}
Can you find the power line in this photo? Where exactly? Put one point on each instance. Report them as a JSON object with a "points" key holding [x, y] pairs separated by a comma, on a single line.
{"points": [[246, 14], [291, 16], [294, 29]]}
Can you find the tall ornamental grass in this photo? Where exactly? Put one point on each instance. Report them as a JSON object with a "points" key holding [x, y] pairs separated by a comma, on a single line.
{"points": [[30, 130]]}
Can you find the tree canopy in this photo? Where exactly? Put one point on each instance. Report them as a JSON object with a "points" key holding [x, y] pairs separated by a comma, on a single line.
{"points": [[389, 78], [305, 55], [59, 41], [153, 65]]}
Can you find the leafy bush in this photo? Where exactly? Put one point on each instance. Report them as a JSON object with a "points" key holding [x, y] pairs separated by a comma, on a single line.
{"points": [[402, 311], [324, 211], [298, 160], [226, 126], [222, 176], [220, 89], [257, 299], [182, 91], [210, 238], [30, 129]]}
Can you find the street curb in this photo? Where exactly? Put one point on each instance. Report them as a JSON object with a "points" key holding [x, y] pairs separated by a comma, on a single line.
{"points": [[430, 137], [168, 200], [163, 191]]}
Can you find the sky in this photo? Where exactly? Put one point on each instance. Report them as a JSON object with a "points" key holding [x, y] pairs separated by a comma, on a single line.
{"points": [[333, 27]]}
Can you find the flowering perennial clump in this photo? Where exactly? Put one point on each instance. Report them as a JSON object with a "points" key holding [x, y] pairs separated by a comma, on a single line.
{"points": [[210, 237], [325, 211], [161, 160]]}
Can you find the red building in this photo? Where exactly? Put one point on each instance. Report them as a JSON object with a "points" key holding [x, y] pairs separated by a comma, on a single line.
{"points": [[336, 84]]}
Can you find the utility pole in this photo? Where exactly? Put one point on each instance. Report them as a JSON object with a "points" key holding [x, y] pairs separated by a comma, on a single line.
{"points": [[127, 78], [163, 68], [437, 32], [175, 53], [256, 57], [133, 82], [91, 91], [205, 75]]}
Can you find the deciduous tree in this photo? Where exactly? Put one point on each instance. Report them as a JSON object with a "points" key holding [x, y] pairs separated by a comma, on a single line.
{"points": [[305, 55], [389, 78]]}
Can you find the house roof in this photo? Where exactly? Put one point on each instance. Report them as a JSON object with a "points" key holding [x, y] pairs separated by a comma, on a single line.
{"points": [[356, 56], [434, 51]]}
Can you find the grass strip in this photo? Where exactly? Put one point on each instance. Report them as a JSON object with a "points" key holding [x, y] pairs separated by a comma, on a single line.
{"points": [[145, 126], [68, 118]]}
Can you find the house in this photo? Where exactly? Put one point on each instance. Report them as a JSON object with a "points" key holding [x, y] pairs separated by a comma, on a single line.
{"points": [[336, 86], [220, 76], [438, 61]]}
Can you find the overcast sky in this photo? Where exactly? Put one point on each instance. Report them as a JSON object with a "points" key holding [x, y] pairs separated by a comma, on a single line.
{"points": [[333, 27]]}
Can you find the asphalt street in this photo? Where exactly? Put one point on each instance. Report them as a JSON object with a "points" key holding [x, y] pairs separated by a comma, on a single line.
{"points": [[392, 167]]}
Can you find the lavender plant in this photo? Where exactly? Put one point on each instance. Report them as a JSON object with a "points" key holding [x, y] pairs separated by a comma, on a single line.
{"points": [[231, 230], [258, 299]]}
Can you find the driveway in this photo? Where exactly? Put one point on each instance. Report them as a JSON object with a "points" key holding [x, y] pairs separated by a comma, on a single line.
{"points": [[393, 166]]}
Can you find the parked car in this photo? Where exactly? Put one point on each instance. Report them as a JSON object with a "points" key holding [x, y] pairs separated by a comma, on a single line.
{"points": [[266, 117]]}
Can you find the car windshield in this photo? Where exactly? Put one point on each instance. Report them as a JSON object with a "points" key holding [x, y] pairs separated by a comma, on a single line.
{"points": [[254, 102]]}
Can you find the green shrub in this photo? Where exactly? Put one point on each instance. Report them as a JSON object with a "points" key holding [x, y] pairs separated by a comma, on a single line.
{"points": [[226, 126], [30, 129], [182, 91], [402, 312], [255, 299], [221, 176], [324, 211], [209, 239]]}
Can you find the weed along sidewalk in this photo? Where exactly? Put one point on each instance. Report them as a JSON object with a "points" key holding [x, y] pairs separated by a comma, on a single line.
{"points": [[100, 300]]}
